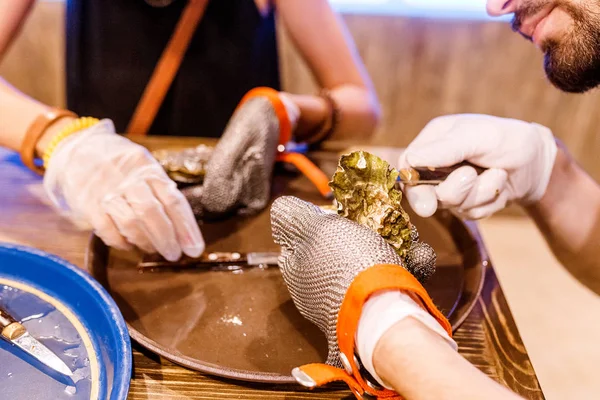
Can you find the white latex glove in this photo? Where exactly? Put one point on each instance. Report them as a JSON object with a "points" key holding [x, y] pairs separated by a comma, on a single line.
{"points": [[382, 311], [519, 157], [122, 192]]}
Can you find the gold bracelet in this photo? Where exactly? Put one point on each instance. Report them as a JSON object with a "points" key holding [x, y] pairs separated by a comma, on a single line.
{"points": [[73, 127]]}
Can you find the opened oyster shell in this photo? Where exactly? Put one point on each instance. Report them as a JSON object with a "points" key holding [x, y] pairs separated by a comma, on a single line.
{"points": [[364, 190], [187, 165]]}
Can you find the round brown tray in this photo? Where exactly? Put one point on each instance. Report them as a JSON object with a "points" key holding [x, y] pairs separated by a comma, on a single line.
{"points": [[244, 325]]}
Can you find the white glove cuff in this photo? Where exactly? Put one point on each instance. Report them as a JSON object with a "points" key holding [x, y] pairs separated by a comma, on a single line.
{"points": [[293, 111], [546, 162], [381, 312], [58, 164]]}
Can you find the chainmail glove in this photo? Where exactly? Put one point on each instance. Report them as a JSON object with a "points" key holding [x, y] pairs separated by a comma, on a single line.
{"points": [[238, 175], [330, 266], [310, 237]]}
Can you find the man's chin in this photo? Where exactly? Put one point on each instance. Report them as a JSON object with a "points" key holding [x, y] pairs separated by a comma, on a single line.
{"points": [[569, 76], [568, 83]]}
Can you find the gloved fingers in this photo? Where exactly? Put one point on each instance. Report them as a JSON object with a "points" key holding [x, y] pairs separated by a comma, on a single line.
{"points": [[127, 222], [136, 158], [444, 152], [106, 230], [221, 191], [486, 210], [454, 190], [452, 142], [402, 163], [486, 188], [246, 150], [437, 145], [257, 182], [290, 218], [180, 213], [420, 261], [153, 219], [422, 199], [225, 177], [193, 195], [435, 129], [438, 126]]}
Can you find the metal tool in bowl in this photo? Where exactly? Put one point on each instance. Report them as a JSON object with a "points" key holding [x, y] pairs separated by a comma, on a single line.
{"points": [[18, 335]]}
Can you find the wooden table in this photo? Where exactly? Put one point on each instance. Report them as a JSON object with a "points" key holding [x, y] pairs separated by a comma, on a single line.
{"points": [[488, 338]]}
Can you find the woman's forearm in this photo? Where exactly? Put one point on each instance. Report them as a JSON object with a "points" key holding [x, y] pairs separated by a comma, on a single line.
{"points": [[420, 365], [324, 42], [13, 14], [359, 113], [17, 112], [569, 218]]}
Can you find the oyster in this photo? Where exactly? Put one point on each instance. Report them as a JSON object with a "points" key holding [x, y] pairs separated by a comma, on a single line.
{"points": [[187, 165], [364, 190]]}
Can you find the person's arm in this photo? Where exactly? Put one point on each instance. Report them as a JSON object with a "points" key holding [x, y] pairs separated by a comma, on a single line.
{"points": [[525, 165], [17, 112], [113, 184], [400, 337], [325, 44], [568, 215], [419, 364], [13, 14]]}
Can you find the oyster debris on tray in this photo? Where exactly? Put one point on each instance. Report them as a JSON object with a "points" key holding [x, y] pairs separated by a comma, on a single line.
{"points": [[187, 165]]}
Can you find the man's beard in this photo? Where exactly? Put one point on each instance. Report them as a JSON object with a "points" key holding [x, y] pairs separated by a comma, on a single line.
{"points": [[572, 63]]}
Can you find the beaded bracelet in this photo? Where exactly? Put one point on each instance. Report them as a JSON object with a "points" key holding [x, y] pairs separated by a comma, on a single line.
{"points": [[71, 128]]}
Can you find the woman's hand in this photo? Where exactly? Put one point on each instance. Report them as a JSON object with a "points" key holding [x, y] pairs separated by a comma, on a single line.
{"points": [[122, 192]]}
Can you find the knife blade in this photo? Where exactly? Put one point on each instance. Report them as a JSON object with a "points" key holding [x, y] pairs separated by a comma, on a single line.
{"points": [[431, 175], [17, 334], [228, 260]]}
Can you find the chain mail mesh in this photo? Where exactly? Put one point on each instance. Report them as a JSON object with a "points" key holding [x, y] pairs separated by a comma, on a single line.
{"points": [[420, 261], [238, 175], [321, 255]]}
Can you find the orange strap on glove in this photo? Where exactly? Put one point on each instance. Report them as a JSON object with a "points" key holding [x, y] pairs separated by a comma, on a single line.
{"points": [[300, 161], [372, 280]]}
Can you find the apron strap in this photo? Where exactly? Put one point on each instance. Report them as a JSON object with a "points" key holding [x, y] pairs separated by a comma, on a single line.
{"points": [[166, 68]]}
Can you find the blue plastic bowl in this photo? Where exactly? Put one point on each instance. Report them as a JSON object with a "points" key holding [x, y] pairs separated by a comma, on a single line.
{"points": [[90, 303]]}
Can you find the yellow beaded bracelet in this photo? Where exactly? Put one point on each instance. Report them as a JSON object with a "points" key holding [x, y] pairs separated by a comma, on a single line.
{"points": [[71, 128]]}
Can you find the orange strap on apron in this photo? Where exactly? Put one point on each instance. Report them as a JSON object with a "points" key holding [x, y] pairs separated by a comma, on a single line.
{"points": [[167, 68], [310, 170]]}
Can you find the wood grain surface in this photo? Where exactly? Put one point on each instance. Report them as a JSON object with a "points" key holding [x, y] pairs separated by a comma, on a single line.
{"points": [[488, 338]]}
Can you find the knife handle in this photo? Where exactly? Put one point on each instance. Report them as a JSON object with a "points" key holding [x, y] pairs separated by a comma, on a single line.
{"points": [[11, 329], [213, 258], [426, 174]]}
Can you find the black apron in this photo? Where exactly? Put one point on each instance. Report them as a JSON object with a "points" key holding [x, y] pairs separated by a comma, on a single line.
{"points": [[114, 45]]}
